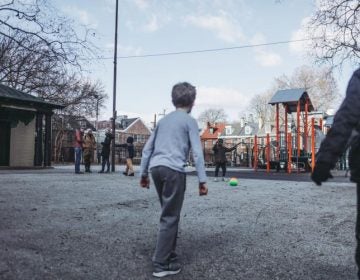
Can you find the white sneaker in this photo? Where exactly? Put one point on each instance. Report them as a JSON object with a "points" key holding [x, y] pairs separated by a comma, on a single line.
{"points": [[224, 179], [215, 179], [165, 270]]}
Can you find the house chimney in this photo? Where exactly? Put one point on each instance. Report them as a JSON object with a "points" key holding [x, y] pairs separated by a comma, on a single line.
{"points": [[261, 123], [251, 118], [267, 127], [242, 122]]}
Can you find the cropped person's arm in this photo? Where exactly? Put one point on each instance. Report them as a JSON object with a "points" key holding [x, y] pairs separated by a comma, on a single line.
{"points": [[197, 151], [345, 120]]}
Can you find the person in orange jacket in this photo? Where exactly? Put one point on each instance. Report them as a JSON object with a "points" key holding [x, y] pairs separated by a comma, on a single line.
{"points": [[78, 146]]}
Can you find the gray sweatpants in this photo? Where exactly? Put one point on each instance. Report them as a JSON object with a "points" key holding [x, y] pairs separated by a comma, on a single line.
{"points": [[170, 186]]}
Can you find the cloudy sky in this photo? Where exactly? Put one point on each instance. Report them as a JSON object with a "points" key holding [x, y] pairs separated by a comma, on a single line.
{"points": [[224, 79]]}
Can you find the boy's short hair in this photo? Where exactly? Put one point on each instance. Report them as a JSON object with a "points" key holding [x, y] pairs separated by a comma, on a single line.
{"points": [[183, 94]]}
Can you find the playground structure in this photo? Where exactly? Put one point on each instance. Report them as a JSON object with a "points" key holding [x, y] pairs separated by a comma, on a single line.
{"points": [[295, 147], [288, 143], [293, 142]]}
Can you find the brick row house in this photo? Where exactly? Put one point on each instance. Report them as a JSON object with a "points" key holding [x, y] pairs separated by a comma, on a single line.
{"points": [[125, 127], [240, 132]]}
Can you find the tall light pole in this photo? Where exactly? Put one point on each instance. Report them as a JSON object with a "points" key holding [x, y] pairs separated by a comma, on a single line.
{"points": [[96, 126], [114, 90]]}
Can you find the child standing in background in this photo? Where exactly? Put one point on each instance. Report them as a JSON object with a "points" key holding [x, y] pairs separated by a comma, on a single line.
{"points": [[129, 145]]}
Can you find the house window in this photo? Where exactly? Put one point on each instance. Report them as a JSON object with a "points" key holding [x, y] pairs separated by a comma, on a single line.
{"points": [[228, 130], [211, 130]]}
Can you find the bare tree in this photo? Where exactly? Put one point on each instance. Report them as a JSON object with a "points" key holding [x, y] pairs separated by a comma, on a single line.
{"points": [[37, 20], [335, 25], [318, 82], [259, 105], [36, 73], [212, 116], [80, 96]]}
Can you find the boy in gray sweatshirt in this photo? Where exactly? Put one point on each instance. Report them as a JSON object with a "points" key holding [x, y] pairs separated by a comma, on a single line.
{"points": [[165, 154]]}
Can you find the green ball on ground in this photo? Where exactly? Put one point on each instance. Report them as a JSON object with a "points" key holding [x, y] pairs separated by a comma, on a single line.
{"points": [[233, 182]]}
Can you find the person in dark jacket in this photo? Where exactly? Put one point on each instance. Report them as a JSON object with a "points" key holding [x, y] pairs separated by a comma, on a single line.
{"points": [[344, 131], [129, 145], [105, 151], [220, 157]]}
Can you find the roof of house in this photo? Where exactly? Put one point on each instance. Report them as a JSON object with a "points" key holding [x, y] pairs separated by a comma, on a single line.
{"points": [[212, 131], [249, 129], [126, 122], [69, 122], [290, 97], [122, 124], [12, 95]]}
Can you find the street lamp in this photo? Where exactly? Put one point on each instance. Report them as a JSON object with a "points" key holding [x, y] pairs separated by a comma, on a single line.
{"points": [[114, 91], [97, 110], [97, 126]]}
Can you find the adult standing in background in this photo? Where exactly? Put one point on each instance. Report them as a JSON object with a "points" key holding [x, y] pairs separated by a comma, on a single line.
{"points": [[78, 146], [105, 151], [89, 145], [220, 157]]}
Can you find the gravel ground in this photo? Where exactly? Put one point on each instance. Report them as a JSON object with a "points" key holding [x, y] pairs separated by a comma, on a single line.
{"points": [[58, 225]]}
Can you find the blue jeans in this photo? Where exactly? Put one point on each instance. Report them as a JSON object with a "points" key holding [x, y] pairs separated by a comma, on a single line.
{"points": [[78, 153]]}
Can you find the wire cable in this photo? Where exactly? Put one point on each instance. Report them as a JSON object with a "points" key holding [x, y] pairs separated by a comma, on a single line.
{"points": [[209, 50]]}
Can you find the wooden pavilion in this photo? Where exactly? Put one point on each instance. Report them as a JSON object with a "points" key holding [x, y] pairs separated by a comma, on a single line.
{"points": [[25, 129]]}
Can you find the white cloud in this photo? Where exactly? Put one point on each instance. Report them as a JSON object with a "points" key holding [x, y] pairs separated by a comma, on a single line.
{"points": [[225, 29], [231, 100], [262, 55], [152, 25], [266, 58], [141, 4], [257, 39], [302, 47], [81, 15], [124, 50]]}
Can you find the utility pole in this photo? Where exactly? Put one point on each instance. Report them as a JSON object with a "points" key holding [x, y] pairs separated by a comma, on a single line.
{"points": [[163, 113], [154, 122], [96, 125], [114, 90]]}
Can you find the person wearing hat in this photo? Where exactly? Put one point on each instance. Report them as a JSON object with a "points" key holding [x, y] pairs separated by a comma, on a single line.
{"points": [[220, 157], [129, 145], [105, 151], [89, 145]]}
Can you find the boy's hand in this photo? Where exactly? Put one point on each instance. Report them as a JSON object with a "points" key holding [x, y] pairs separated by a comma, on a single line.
{"points": [[145, 182], [203, 190]]}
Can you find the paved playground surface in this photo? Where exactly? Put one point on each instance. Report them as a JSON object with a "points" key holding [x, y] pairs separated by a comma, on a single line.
{"points": [[58, 225]]}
